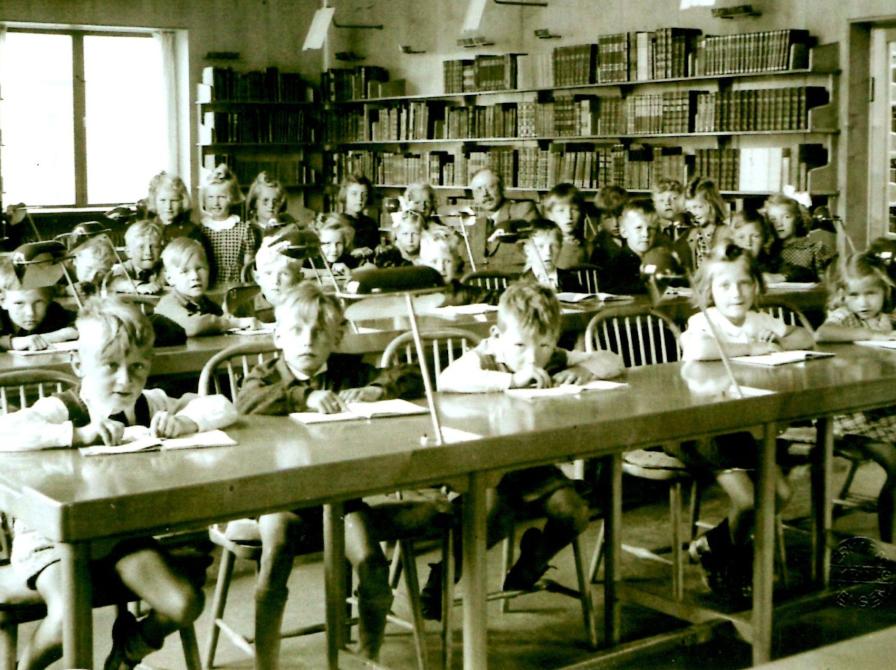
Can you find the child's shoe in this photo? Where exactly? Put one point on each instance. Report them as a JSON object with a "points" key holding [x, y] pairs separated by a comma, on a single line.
{"points": [[525, 573], [128, 644], [431, 595]]}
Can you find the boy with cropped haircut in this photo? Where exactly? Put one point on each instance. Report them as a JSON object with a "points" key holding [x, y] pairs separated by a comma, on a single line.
{"points": [[92, 260], [668, 200], [308, 376], [522, 351], [113, 362], [29, 318], [142, 272]]}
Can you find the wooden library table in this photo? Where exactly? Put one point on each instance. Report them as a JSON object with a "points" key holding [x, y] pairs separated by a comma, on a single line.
{"points": [[280, 465]]}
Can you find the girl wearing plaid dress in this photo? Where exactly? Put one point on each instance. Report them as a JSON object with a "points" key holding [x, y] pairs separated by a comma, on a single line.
{"points": [[859, 305], [229, 240]]}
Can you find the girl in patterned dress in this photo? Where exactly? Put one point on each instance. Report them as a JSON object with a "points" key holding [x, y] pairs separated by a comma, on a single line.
{"points": [[707, 211], [229, 240], [859, 305], [807, 257]]}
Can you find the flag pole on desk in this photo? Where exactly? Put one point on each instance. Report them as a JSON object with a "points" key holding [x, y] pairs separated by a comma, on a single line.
{"points": [[409, 282]]}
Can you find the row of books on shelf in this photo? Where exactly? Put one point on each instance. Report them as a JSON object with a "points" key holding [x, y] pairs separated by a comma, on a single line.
{"points": [[670, 112], [360, 82], [259, 125], [749, 169], [486, 72], [289, 172], [223, 84]]}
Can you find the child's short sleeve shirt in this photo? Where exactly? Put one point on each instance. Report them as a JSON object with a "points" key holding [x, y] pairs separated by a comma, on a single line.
{"points": [[754, 324], [841, 316]]}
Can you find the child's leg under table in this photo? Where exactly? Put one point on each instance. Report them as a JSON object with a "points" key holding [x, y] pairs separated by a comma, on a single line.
{"points": [[45, 645]]}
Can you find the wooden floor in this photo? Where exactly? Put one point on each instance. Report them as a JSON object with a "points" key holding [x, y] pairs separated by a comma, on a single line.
{"points": [[545, 630]]}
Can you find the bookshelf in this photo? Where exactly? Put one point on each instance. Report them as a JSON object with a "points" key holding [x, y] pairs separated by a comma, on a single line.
{"points": [[260, 121], [626, 110]]}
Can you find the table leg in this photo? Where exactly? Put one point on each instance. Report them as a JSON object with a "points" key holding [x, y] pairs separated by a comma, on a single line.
{"points": [[612, 505], [821, 501], [335, 580], [475, 579], [77, 622], [764, 557]]}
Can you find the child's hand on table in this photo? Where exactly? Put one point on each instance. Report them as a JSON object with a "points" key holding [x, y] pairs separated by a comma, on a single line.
{"points": [[325, 402], [531, 376], [29, 343], [362, 394], [572, 376], [764, 347], [105, 431], [149, 288], [165, 424]]}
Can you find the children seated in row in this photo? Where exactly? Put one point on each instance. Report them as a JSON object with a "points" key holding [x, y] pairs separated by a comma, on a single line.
{"points": [[30, 320], [805, 257], [708, 214], [168, 204], [142, 272], [230, 241], [354, 195], [860, 303], [668, 200], [521, 351], [112, 363], [187, 271], [307, 375], [729, 283], [565, 206]]}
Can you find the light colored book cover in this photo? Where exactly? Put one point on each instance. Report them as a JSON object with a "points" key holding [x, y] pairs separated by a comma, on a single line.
{"points": [[361, 410], [139, 438]]}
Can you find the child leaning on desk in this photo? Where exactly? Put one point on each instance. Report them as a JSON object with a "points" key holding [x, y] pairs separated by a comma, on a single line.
{"points": [[29, 318], [308, 376], [142, 272], [112, 362], [522, 351], [728, 283], [186, 269], [860, 300], [440, 250]]}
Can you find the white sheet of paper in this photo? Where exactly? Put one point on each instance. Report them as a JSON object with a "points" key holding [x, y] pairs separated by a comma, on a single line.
{"points": [[54, 348], [782, 357], [564, 390], [460, 310], [792, 285], [877, 344], [361, 410], [138, 438]]}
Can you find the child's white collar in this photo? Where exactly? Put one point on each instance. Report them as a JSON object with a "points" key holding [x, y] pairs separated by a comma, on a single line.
{"points": [[302, 377], [225, 224]]}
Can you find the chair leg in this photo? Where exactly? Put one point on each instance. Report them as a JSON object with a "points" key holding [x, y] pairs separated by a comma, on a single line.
{"points": [[597, 556], [191, 648], [696, 494], [219, 601], [854, 466], [507, 563], [585, 595], [781, 551], [406, 550], [9, 636], [677, 552], [395, 568], [447, 596]]}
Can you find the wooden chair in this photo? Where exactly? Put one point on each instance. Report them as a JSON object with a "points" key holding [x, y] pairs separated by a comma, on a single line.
{"points": [[224, 374], [495, 281], [646, 338], [18, 603], [587, 276]]}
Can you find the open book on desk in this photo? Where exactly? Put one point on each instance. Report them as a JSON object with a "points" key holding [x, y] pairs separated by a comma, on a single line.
{"points": [[877, 344], [791, 285], [361, 410], [782, 357], [564, 389], [572, 297], [53, 348], [138, 438], [454, 311]]}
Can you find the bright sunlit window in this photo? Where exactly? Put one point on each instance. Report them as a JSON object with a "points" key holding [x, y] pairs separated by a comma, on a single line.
{"points": [[116, 81]]}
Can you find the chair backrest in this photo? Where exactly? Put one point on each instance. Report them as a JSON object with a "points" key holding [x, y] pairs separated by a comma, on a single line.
{"points": [[442, 347], [224, 372], [22, 388], [786, 312], [640, 338], [587, 276], [495, 281]]}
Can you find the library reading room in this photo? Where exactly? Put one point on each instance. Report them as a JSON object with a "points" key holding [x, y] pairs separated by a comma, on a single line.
{"points": [[447, 334]]}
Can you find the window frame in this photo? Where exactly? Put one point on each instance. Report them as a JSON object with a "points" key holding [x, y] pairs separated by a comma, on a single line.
{"points": [[79, 105]]}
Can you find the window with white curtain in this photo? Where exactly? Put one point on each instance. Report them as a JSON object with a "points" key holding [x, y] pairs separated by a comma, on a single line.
{"points": [[85, 116]]}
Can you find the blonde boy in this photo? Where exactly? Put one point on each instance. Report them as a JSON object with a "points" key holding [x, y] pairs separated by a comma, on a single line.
{"points": [[92, 261], [439, 250], [522, 351], [29, 318], [112, 362], [186, 269], [274, 272], [142, 272], [308, 376]]}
